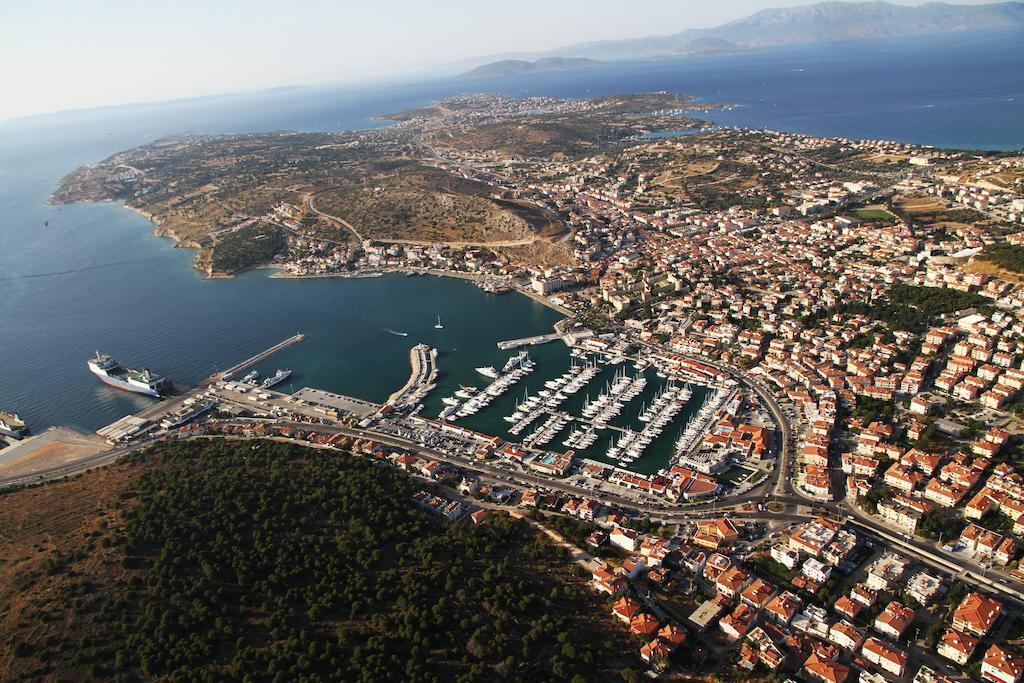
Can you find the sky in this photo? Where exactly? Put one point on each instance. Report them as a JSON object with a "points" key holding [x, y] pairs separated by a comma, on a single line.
{"points": [[69, 54]]}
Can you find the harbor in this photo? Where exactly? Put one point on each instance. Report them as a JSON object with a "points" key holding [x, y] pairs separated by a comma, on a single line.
{"points": [[602, 407]]}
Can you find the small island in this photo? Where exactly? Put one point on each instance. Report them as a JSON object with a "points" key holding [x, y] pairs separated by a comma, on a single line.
{"points": [[510, 67]]}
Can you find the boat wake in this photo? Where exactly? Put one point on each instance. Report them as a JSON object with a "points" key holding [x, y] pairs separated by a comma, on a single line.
{"points": [[55, 273], [397, 334]]}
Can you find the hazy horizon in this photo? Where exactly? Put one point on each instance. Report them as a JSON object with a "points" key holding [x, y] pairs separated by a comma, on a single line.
{"points": [[83, 55]]}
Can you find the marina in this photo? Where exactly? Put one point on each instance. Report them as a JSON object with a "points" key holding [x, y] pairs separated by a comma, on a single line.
{"points": [[515, 369], [629, 421]]}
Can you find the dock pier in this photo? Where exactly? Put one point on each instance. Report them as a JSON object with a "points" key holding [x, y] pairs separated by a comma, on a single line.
{"points": [[423, 360], [249, 362], [528, 341]]}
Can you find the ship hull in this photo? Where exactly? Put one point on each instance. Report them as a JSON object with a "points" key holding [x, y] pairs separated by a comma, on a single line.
{"points": [[13, 433], [126, 386]]}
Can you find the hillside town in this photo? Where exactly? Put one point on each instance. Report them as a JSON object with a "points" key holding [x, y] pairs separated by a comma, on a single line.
{"points": [[853, 308], [858, 290]]}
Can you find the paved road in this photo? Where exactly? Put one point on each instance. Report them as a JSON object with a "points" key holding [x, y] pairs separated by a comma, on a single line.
{"points": [[912, 547], [340, 221]]}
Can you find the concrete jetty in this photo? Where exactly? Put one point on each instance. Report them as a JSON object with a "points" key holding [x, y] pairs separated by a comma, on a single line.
{"points": [[528, 341], [249, 362], [423, 360]]}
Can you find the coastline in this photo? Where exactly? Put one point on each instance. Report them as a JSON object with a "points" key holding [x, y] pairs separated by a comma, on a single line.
{"points": [[159, 230], [280, 274], [470, 277]]}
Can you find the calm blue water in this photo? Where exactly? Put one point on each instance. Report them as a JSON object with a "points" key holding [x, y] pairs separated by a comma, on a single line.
{"points": [[96, 278]]}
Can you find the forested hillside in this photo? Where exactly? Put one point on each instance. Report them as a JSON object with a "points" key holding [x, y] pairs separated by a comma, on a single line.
{"points": [[221, 560]]}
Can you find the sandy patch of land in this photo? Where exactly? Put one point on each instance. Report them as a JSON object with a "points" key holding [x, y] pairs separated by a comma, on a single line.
{"points": [[976, 265], [54, 447]]}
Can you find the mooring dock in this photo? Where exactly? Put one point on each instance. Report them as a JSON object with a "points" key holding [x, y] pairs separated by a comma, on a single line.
{"points": [[528, 341], [424, 372], [249, 362]]}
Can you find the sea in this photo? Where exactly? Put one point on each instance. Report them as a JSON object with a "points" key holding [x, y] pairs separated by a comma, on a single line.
{"points": [[81, 278]]}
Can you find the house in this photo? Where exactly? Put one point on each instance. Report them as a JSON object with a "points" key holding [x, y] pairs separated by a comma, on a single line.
{"points": [[899, 515], [902, 478], [627, 539], [842, 546], [976, 614], [736, 624], [894, 620], [825, 670], [816, 570], [672, 635], [606, 579], [924, 588], [928, 675], [864, 595], [783, 607], [848, 608], [886, 572], [947, 495], [812, 537], [597, 539], [660, 576], [654, 550], [479, 516], [978, 539], [716, 533], [633, 566], [768, 652], [644, 624], [655, 652], [812, 621], [626, 608], [957, 647], [716, 565], [787, 557], [707, 612], [758, 593], [1001, 665], [846, 635], [732, 581], [888, 657]]}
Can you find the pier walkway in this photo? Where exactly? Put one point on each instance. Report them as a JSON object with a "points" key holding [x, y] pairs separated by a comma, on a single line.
{"points": [[249, 362], [528, 341]]}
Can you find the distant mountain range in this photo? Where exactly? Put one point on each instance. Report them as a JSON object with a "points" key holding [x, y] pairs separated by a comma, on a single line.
{"points": [[509, 67], [817, 23]]}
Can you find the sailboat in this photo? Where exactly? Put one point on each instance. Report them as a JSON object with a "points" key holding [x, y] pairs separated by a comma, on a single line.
{"points": [[439, 326]]}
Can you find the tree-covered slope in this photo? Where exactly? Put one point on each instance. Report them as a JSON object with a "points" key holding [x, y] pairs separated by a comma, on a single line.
{"points": [[267, 561]]}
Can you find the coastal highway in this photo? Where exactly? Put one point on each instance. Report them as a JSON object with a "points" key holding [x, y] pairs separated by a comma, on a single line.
{"points": [[70, 469]]}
